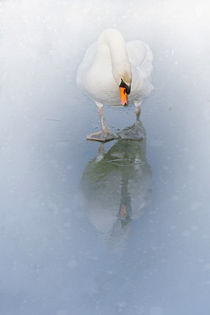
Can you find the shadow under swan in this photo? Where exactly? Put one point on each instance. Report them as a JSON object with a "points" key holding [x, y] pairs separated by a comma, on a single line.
{"points": [[116, 187]]}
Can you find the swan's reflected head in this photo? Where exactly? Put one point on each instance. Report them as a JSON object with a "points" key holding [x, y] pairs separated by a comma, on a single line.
{"points": [[124, 215], [125, 90], [123, 212]]}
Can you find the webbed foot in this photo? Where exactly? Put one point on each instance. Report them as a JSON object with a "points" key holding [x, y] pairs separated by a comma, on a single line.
{"points": [[102, 136], [134, 132]]}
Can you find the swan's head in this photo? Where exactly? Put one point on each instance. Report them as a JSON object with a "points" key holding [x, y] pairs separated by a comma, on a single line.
{"points": [[123, 77]]}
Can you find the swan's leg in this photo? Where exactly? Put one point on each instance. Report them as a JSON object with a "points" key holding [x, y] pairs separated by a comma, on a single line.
{"points": [[105, 134], [100, 155], [137, 109], [105, 129]]}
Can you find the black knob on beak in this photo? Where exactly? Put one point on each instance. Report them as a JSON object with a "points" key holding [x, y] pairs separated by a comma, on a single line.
{"points": [[127, 87]]}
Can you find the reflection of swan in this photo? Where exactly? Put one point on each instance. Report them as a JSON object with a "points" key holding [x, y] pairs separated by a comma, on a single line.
{"points": [[116, 187], [110, 70]]}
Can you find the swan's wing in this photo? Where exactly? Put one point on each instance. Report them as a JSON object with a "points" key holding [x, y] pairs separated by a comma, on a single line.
{"points": [[140, 57], [85, 64]]}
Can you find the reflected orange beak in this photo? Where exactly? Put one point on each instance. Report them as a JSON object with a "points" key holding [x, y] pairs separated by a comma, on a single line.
{"points": [[123, 96], [123, 212]]}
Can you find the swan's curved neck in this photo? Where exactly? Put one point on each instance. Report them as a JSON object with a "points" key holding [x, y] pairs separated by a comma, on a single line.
{"points": [[116, 44], [111, 49]]}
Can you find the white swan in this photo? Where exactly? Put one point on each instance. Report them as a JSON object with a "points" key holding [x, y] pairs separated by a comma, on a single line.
{"points": [[110, 70]]}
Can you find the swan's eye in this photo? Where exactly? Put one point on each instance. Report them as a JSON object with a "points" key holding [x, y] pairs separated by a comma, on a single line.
{"points": [[123, 84]]}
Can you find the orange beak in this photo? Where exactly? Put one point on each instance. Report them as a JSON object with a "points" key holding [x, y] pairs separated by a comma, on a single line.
{"points": [[123, 96]]}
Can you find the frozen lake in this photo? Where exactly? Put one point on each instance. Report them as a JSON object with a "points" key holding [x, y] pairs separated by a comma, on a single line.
{"points": [[64, 249]]}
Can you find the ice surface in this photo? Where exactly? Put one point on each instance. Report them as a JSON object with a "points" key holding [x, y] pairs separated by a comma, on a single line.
{"points": [[122, 229]]}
